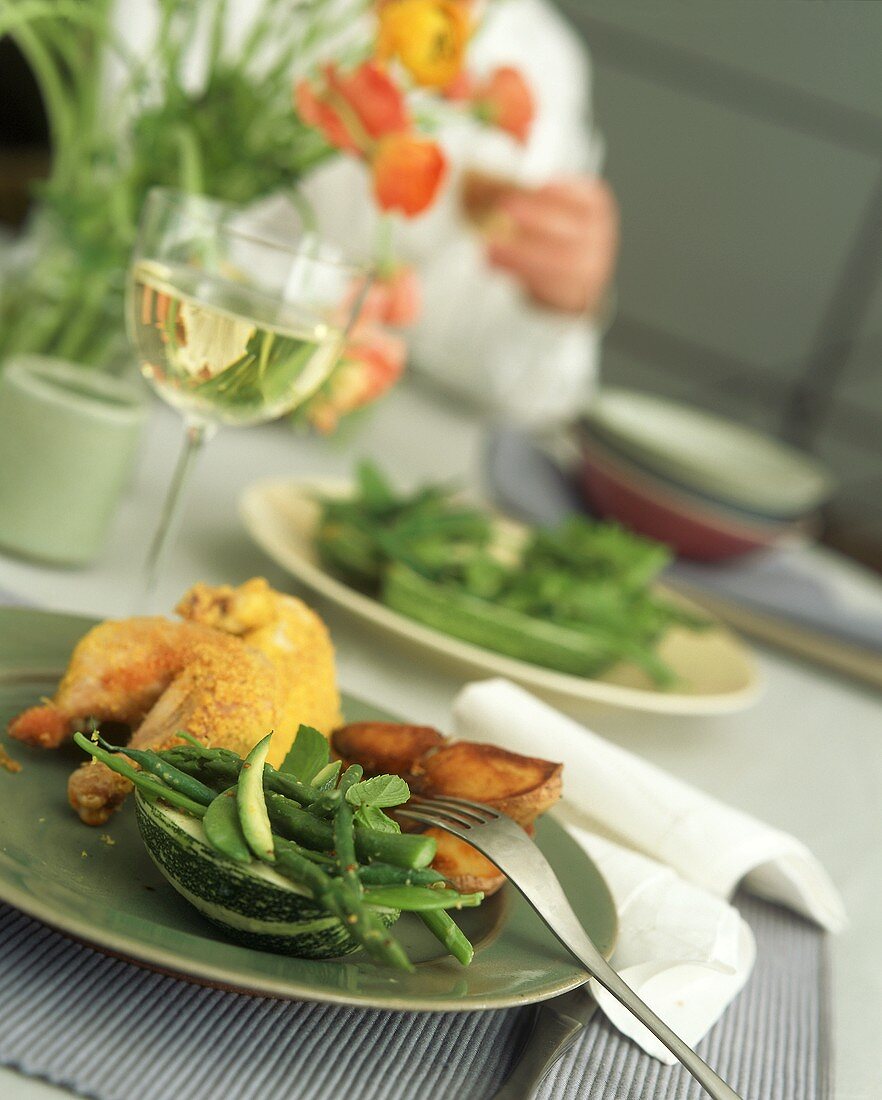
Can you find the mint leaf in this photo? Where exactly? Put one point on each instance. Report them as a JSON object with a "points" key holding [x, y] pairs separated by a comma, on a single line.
{"points": [[382, 790], [307, 756], [372, 817]]}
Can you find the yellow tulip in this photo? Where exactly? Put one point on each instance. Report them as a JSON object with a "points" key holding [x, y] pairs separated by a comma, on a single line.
{"points": [[428, 37]]}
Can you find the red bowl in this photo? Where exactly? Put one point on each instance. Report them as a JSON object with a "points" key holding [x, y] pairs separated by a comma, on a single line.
{"points": [[691, 525]]}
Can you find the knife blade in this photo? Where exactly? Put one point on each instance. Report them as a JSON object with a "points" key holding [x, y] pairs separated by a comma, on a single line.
{"points": [[557, 1025]]}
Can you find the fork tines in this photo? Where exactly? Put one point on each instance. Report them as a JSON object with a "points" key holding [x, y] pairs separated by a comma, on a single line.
{"points": [[442, 810]]}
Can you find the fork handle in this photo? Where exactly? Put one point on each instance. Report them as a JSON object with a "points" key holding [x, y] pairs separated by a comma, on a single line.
{"points": [[551, 903]]}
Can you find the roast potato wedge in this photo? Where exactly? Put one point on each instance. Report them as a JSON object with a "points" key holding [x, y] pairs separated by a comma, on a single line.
{"points": [[464, 865], [522, 787], [384, 747]]}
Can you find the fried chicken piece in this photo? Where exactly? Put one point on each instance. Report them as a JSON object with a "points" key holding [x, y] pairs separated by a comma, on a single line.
{"points": [[291, 636], [95, 792], [245, 661], [158, 677]]}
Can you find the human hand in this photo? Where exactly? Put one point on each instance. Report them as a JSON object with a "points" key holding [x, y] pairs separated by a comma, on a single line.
{"points": [[562, 244]]}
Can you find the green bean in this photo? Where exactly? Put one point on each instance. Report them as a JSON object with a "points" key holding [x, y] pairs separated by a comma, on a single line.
{"points": [[185, 735], [183, 757], [385, 874], [152, 762], [344, 832], [326, 804], [320, 858], [290, 788], [292, 862], [222, 767], [364, 926], [218, 768], [294, 823], [144, 782], [350, 777], [411, 850], [408, 850], [223, 829], [415, 899], [445, 929]]}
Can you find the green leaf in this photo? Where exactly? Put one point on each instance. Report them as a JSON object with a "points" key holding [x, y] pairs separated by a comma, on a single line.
{"points": [[372, 817], [382, 790], [307, 756]]}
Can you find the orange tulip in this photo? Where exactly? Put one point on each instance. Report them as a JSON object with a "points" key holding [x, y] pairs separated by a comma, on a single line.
{"points": [[407, 173], [353, 110], [504, 99], [315, 111], [372, 363], [428, 37], [370, 93]]}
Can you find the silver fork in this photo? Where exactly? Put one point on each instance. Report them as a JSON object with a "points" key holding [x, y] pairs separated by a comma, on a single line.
{"points": [[508, 846]]}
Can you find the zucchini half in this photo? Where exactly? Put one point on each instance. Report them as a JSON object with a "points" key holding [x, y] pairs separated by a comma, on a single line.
{"points": [[251, 903]]}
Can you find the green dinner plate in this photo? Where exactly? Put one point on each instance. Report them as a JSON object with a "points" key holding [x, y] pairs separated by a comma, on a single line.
{"points": [[99, 885], [726, 461]]}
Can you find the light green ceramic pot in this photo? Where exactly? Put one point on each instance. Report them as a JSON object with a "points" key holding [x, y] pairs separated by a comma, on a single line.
{"points": [[68, 440]]}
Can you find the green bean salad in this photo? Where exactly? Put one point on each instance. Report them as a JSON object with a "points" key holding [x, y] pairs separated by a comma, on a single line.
{"points": [[322, 827]]}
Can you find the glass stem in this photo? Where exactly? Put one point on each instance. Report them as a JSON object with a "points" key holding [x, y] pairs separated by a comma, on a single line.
{"points": [[196, 435]]}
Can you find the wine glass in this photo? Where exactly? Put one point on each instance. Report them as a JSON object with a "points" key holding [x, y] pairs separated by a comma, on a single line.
{"points": [[232, 323]]}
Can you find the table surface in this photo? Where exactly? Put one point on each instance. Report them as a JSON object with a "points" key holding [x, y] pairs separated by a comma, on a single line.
{"points": [[807, 757]]}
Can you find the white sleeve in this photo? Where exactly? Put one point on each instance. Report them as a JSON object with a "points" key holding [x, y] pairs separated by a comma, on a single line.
{"points": [[480, 338], [478, 334]]}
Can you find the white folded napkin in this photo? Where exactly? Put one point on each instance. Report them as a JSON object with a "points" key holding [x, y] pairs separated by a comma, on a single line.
{"points": [[685, 952], [681, 946], [642, 807]]}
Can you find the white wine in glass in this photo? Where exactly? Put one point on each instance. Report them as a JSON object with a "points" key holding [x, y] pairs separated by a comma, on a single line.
{"points": [[231, 325], [216, 349]]}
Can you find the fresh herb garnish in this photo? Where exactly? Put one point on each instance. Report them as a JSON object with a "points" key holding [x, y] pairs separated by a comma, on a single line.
{"points": [[372, 817], [382, 790], [308, 755]]}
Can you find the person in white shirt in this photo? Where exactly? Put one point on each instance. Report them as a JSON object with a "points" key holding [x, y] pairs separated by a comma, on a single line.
{"points": [[511, 323]]}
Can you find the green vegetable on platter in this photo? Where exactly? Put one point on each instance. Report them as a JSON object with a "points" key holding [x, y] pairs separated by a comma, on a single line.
{"points": [[578, 598]]}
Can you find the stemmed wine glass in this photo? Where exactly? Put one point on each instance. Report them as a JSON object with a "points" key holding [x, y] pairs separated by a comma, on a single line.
{"points": [[232, 323]]}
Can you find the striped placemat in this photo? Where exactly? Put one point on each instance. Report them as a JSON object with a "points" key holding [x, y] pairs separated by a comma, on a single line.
{"points": [[111, 1030]]}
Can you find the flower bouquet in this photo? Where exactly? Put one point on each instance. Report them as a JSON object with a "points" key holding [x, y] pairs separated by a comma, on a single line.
{"points": [[307, 80]]}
